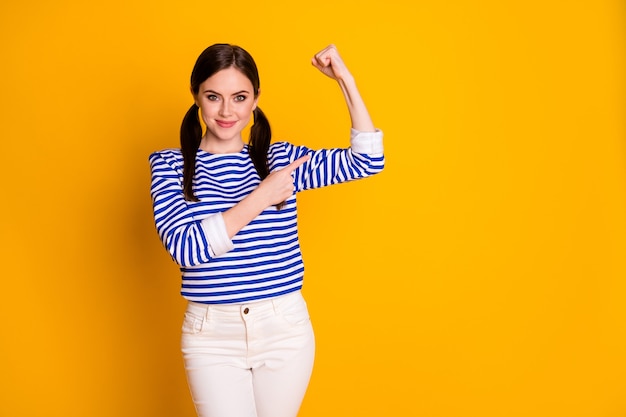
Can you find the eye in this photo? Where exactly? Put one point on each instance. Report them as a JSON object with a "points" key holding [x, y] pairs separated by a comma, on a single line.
{"points": [[240, 98], [212, 97]]}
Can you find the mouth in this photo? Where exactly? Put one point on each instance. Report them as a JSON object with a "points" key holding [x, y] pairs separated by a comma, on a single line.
{"points": [[225, 124]]}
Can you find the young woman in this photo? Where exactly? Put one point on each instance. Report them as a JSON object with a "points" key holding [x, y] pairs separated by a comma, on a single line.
{"points": [[226, 212]]}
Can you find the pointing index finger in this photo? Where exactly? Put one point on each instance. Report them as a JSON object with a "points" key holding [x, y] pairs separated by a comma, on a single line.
{"points": [[295, 164]]}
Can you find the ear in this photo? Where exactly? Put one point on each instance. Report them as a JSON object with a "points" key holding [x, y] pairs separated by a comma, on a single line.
{"points": [[195, 98], [256, 99]]}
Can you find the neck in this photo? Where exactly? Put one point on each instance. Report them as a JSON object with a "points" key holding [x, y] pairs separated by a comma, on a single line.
{"points": [[217, 147]]}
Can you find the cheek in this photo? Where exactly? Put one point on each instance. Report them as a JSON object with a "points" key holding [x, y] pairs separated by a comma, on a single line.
{"points": [[246, 111], [205, 115], [207, 111]]}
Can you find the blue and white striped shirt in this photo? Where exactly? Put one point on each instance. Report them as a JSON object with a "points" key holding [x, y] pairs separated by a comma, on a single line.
{"points": [[263, 260]]}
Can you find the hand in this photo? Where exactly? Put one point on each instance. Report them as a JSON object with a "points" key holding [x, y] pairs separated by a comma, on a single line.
{"points": [[330, 63], [278, 185]]}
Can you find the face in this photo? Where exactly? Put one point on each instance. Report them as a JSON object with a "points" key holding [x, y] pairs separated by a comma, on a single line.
{"points": [[226, 100]]}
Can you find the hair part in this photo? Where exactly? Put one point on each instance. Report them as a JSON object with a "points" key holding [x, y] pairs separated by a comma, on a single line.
{"points": [[213, 59]]}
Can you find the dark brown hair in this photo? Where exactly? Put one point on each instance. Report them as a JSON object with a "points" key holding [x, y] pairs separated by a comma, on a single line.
{"points": [[213, 59]]}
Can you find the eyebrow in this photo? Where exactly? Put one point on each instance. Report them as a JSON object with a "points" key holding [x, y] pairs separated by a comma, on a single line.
{"points": [[234, 94]]}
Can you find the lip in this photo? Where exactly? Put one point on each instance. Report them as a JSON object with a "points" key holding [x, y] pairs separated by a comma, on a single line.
{"points": [[225, 124]]}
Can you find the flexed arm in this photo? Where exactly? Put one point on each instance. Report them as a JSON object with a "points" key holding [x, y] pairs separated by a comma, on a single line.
{"points": [[329, 62]]}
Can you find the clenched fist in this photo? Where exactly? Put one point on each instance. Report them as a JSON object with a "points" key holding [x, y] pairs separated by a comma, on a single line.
{"points": [[329, 62]]}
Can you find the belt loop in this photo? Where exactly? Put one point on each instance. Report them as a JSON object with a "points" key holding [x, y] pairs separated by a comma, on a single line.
{"points": [[207, 313]]}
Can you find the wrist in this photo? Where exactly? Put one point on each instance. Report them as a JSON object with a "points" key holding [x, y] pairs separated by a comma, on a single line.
{"points": [[258, 199], [346, 80]]}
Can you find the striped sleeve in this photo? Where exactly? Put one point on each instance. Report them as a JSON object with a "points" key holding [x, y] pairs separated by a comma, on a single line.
{"points": [[189, 240], [333, 166]]}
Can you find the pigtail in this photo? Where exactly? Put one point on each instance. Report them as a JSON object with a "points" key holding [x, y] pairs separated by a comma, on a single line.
{"points": [[190, 137], [259, 142], [259, 145]]}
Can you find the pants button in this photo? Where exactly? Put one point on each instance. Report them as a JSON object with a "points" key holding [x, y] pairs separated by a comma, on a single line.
{"points": [[246, 310]]}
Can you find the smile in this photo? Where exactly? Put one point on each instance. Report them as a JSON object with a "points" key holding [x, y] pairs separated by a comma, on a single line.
{"points": [[225, 124]]}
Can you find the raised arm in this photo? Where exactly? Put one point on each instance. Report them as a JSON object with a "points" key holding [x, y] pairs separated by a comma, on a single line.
{"points": [[329, 62]]}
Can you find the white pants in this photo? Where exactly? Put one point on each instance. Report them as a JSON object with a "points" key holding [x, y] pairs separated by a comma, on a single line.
{"points": [[249, 360]]}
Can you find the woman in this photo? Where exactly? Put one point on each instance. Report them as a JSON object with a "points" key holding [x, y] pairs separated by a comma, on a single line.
{"points": [[226, 212]]}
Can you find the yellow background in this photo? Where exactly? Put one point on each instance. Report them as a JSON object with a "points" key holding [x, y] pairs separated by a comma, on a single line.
{"points": [[481, 274]]}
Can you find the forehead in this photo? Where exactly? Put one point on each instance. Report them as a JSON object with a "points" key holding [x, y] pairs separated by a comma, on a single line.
{"points": [[229, 80]]}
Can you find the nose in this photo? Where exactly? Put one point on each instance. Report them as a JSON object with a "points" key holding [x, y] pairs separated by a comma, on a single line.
{"points": [[225, 108]]}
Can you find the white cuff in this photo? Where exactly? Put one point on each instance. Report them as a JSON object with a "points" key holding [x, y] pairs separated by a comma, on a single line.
{"points": [[215, 232], [370, 143]]}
